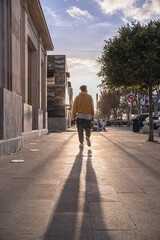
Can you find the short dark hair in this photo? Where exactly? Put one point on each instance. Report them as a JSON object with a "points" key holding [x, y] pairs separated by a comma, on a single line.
{"points": [[83, 88]]}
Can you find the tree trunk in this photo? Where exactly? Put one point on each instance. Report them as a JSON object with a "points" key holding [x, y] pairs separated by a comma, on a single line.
{"points": [[128, 117], [115, 118], [151, 135]]}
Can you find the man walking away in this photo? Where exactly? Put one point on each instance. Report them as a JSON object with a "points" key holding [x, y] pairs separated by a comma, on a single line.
{"points": [[83, 110]]}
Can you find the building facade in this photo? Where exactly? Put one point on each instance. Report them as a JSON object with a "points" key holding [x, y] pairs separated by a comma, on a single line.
{"points": [[59, 93], [24, 42]]}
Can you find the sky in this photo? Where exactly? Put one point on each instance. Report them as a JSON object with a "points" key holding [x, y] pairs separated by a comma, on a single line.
{"points": [[78, 29]]}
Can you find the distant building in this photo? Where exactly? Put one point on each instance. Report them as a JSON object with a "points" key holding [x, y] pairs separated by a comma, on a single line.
{"points": [[59, 93], [24, 41]]}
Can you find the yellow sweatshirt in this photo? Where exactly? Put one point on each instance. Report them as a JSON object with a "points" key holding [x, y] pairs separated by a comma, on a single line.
{"points": [[83, 103]]}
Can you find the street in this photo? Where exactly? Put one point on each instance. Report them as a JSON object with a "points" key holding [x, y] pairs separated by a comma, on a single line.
{"points": [[56, 191]]}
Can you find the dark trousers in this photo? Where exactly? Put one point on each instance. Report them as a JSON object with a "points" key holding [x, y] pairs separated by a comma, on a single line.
{"points": [[83, 124]]}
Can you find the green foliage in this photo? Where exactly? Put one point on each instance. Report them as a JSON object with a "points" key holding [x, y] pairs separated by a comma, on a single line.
{"points": [[109, 102], [133, 57]]}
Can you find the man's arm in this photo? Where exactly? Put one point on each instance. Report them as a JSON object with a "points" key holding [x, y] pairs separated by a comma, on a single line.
{"points": [[74, 109], [92, 107]]}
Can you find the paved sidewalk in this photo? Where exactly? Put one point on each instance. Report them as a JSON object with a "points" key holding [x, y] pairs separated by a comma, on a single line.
{"points": [[110, 191]]}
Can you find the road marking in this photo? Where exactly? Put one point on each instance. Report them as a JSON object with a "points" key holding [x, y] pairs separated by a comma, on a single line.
{"points": [[34, 150], [17, 161]]}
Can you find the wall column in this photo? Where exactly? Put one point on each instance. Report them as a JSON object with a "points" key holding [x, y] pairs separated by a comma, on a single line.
{"points": [[5, 44]]}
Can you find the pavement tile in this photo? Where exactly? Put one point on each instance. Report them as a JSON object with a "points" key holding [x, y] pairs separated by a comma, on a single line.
{"points": [[110, 216], [113, 222], [41, 192], [149, 234], [72, 205], [145, 220], [95, 188], [90, 178], [93, 197], [17, 185], [21, 235], [35, 206], [101, 193], [69, 226], [3, 218], [139, 203], [125, 185], [47, 180], [5, 234], [141, 177], [125, 188], [8, 201], [27, 222], [117, 235], [67, 194]]}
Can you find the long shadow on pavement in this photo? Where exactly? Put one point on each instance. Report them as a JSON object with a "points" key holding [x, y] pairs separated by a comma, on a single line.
{"points": [[72, 216], [99, 228], [64, 220]]}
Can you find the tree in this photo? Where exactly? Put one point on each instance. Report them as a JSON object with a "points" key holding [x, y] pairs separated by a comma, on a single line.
{"points": [[109, 103], [103, 105], [133, 58]]}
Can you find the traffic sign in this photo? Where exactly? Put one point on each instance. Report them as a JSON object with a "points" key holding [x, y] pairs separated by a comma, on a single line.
{"points": [[131, 97]]}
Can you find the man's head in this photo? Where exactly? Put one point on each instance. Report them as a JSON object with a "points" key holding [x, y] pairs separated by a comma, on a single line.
{"points": [[83, 88]]}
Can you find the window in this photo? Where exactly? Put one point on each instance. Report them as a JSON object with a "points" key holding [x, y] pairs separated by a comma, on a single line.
{"points": [[50, 77]]}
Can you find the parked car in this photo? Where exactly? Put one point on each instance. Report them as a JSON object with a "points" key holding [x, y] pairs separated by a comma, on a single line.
{"points": [[124, 121], [156, 122], [96, 127], [108, 123], [104, 122]]}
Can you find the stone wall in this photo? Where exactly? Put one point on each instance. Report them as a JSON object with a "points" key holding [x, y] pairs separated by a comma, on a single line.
{"points": [[27, 117], [24, 42], [10, 114], [55, 124], [56, 91]]}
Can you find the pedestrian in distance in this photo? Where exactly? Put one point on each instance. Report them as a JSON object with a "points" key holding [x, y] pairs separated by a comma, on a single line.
{"points": [[83, 113]]}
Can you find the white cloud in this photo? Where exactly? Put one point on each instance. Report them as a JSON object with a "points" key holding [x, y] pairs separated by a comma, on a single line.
{"points": [[55, 19], [150, 9], [101, 24], [79, 14], [84, 71], [76, 65], [112, 6]]}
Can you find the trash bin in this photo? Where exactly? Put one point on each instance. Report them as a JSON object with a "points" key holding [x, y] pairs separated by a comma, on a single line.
{"points": [[136, 125]]}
